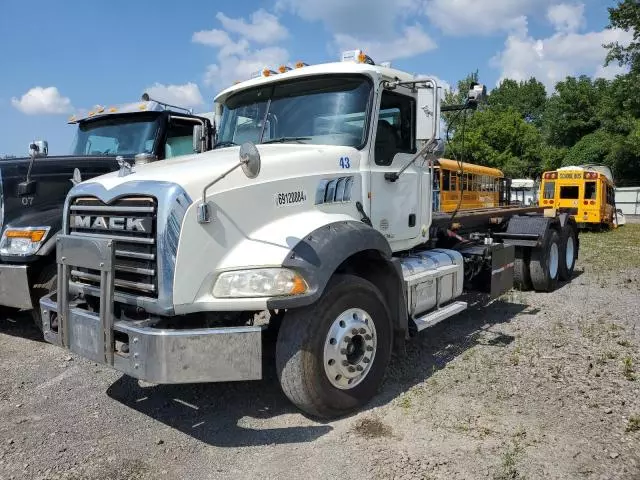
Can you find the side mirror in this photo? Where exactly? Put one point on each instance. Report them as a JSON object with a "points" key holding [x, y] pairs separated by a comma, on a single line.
{"points": [[198, 139], [39, 148], [428, 114]]}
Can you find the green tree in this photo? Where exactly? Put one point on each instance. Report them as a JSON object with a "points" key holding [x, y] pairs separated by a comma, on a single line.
{"points": [[573, 110], [626, 16], [528, 98], [500, 139]]}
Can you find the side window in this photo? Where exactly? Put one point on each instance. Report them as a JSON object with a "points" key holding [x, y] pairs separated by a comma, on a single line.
{"points": [[445, 181], [394, 132], [454, 181], [179, 139]]}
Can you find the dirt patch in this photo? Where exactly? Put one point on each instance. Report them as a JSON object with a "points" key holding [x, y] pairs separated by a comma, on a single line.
{"points": [[372, 428]]}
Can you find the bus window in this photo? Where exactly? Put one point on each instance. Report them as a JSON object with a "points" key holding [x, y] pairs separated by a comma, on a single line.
{"points": [[454, 182], [549, 190], [445, 180], [590, 190], [568, 192]]}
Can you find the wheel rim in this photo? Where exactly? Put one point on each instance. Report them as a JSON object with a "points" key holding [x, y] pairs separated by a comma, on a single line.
{"points": [[570, 252], [553, 260], [349, 348]]}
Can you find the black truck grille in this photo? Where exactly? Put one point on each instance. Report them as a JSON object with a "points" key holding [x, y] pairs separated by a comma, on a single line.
{"points": [[131, 223]]}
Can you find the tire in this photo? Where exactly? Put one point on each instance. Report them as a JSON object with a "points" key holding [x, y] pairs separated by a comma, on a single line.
{"points": [[568, 253], [544, 263], [308, 341], [521, 271], [44, 284]]}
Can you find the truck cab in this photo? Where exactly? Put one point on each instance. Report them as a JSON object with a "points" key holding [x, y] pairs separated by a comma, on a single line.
{"points": [[311, 219], [33, 189]]}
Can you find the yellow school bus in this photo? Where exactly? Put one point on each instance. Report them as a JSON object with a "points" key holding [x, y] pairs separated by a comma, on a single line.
{"points": [[586, 192], [480, 187]]}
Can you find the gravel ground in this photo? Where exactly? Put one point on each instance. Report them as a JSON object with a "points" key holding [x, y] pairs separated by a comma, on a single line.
{"points": [[531, 386]]}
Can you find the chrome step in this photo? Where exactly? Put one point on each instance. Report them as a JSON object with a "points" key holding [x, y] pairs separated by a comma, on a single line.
{"points": [[436, 316]]}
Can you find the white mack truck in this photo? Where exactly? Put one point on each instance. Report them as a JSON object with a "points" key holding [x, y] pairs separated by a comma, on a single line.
{"points": [[315, 207]]}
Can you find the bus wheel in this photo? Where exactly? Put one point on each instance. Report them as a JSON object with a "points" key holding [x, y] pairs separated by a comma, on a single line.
{"points": [[332, 355], [521, 272], [568, 252], [545, 263]]}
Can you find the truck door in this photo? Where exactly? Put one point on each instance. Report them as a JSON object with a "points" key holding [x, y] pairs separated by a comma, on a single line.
{"points": [[395, 206]]}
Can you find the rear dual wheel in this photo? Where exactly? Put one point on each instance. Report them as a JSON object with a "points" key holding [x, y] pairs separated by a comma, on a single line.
{"points": [[544, 265], [568, 252]]}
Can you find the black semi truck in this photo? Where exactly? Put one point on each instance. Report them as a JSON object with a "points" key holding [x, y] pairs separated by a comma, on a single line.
{"points": [[33, 189]]}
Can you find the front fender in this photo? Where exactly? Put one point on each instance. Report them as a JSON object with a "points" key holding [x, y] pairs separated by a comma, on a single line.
{"points": [[319, 254]]}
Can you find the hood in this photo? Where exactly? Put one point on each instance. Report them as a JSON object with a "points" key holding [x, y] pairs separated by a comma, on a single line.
{"points": [[52, 181], [194, 172]]}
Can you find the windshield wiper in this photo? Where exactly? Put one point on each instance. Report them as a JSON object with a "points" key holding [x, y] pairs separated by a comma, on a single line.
{"points": [[227, 143], [287, 139]]}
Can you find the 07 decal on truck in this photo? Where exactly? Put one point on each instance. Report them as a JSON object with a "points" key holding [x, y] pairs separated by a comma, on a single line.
{"points": [[288, 199]]}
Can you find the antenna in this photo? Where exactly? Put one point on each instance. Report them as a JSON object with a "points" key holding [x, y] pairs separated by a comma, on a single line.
{"points": [[147, 98]]}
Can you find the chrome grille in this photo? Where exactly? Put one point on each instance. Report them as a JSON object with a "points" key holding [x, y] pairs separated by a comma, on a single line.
{"points": [[136, 251]]}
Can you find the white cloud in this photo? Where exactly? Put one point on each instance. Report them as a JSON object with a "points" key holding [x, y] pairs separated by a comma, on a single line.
{"points": [[358, 18], [187, 95], [263, 28], [413, 42], [567, 17], [233, 68], [468, 17], [379, 27], [552, 59], [41, 100], [237, 56]]}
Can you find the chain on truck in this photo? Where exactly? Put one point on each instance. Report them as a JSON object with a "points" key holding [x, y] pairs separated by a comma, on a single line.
{"points": [[33, 190], [312, 219]]}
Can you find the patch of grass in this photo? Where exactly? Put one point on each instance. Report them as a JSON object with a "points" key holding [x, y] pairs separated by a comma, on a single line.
{"points": [[404, 402], [627, 369], [372, 428], [622, 246], [508, 469], [633, 425]]}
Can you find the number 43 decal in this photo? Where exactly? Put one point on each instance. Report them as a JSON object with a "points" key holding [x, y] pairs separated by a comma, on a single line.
{"points": [[345, 162]]}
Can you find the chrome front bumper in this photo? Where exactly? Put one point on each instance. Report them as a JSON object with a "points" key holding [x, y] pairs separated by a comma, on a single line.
{"points": [[14, 287], [154, 355]]}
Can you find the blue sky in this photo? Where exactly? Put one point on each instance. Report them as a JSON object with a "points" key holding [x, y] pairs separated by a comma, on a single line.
{"points": [[61, 56]]}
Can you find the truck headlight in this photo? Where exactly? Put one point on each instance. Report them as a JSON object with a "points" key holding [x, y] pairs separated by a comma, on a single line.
{"points": [[259, 282], [22, 241]]}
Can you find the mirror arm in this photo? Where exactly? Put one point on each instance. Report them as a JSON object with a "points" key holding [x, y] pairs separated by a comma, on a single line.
{"points": [[393, 176], [204, 215]]}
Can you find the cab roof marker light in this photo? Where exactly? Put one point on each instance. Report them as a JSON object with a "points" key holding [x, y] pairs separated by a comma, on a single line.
{"points": [[357, 56], [301, 64], [284, 68], [268, 72]]}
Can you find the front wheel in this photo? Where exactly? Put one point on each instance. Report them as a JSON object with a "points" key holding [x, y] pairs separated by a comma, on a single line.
{"points": [[331, 356]]}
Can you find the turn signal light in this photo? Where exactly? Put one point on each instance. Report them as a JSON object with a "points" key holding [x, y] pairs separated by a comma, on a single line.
{"points": [[33, 235]]}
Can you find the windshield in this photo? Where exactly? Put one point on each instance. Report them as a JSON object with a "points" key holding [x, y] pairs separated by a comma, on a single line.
{"points": [[126, 135], [329, 110]]}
